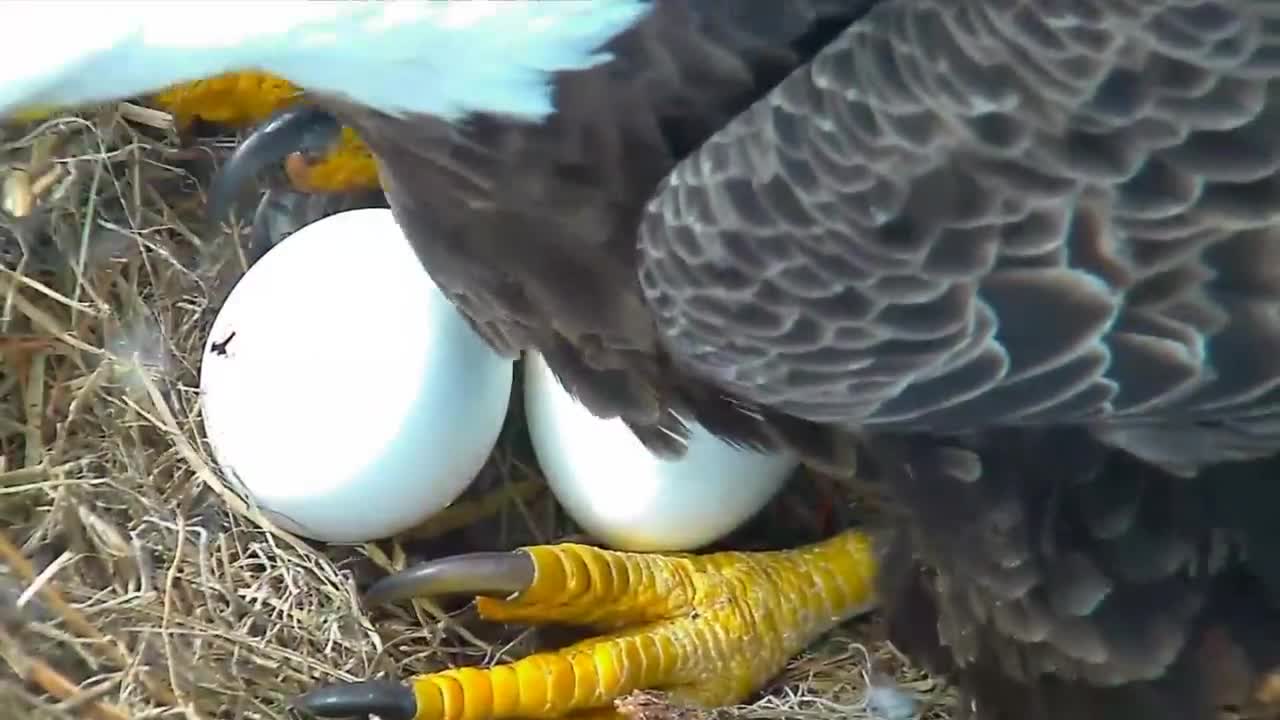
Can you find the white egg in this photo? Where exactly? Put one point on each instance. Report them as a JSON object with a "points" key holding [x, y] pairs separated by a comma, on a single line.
{"points": [[627, 497], [342, 390]]}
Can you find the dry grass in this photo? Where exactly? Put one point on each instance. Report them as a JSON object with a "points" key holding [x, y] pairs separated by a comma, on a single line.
{"points": [[135, 583]]}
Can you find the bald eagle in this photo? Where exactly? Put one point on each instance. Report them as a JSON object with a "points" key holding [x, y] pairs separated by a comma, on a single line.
{"points": [[1020, 252]]}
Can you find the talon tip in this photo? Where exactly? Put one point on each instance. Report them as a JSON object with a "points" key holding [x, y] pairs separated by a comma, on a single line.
{"points": [[294, 129], [490, 573], [386, 699]]}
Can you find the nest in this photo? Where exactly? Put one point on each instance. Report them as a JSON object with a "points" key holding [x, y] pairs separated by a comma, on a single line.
{"points": [[134, 581]]}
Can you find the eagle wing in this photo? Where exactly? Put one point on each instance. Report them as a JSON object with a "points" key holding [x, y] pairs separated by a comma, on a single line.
{"points": [[1015, 232], [997, 213], [530, 227]]}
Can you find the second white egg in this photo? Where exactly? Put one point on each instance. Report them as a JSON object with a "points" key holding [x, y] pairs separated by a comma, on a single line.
{"points": [[624, 495]]}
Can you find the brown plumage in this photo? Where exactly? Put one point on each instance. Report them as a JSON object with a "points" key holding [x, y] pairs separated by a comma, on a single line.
{"points": [[1070, 580], [531, 229], [1028, 245], [978, 214]]}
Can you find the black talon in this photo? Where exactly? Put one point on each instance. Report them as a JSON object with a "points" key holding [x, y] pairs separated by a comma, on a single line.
{"points": [[384, 698], [483, 573], [295, 129]]}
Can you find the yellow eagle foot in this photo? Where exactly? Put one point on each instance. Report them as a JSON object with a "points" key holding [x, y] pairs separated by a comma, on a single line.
{"points": [[334, 161], [343, 163], [710, 630]]}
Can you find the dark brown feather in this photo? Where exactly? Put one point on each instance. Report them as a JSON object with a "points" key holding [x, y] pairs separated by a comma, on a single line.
{"points": [[997, 213], [531, 228], [1090, 586]]}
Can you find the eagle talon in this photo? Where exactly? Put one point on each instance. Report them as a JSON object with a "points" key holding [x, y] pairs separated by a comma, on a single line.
{"points": [[295, 129], [388, 700], [499, 574], [707, 629]]}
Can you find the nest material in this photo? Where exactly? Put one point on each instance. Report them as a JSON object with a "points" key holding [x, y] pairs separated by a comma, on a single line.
{"points": [[134, 581]]}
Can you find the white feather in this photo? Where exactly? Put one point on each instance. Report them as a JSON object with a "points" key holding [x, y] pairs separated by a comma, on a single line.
{"points": [[407, 56]]}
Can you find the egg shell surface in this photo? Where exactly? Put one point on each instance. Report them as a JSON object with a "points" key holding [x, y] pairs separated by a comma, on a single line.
{"points": [[342, 390], [624, 495]]}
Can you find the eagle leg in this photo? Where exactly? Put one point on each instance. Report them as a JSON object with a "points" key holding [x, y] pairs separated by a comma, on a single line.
{"points": [[234, 99], [315, 162], [709, 630]]}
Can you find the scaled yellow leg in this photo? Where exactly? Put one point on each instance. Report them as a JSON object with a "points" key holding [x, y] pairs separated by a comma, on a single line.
{"points": [[710, 629]]}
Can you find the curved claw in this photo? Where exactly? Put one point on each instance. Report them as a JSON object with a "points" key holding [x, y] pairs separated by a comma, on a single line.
{"points": [[295, 129], [388, 700], [488, 573]]}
